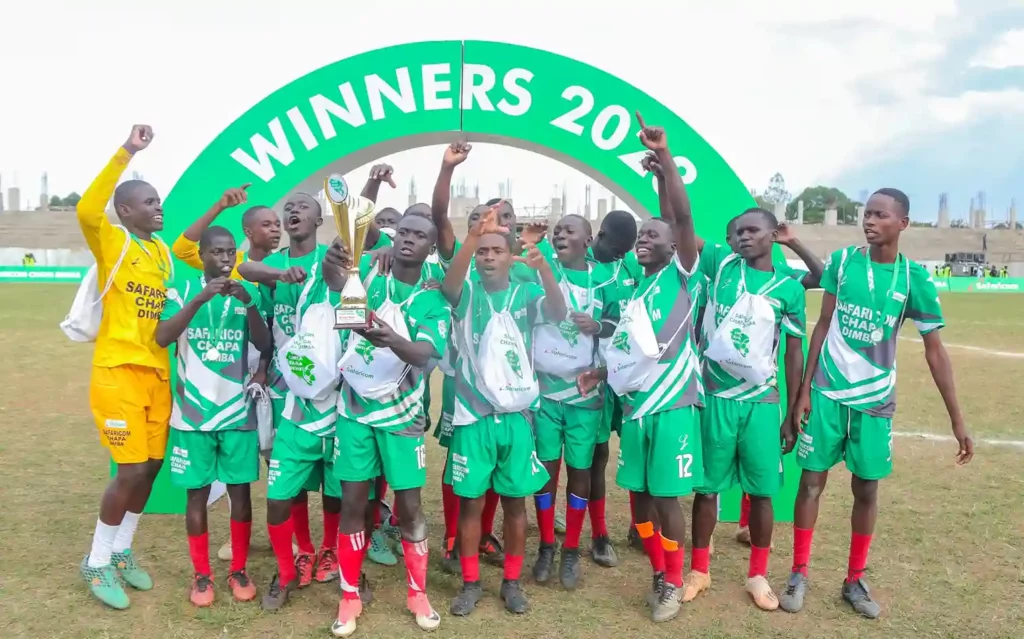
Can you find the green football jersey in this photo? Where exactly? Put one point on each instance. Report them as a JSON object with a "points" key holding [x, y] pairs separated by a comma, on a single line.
{"points": [[786, 296], [211, 360], [524, 303], [427, 318], [857, 365], [669, 296]]}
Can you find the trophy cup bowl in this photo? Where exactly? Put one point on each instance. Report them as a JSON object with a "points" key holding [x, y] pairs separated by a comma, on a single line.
{"points": [[353, 215]]}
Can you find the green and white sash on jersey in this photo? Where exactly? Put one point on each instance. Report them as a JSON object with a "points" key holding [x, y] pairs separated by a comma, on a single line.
{"points": [[376, 373], [561, 349], [743, 343], [309, 360], [853, 380]]}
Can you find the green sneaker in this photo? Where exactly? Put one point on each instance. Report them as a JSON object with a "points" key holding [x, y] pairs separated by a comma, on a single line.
{"points": [[394, 535], [104, 584], [134, 576], [379, 552]]}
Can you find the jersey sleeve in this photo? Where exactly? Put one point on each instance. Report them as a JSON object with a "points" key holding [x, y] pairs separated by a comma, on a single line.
{"points": [[830, 274], [257, 298], [794, 310], [175, 301], [711, 257], [105, 241], [187, 251], [532, 296], [462, 309], [923, 305], [447, 263], [433, 326]]}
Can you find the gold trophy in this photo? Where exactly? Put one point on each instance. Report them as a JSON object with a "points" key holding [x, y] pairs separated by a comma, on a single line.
{"points": [[352, 217]]}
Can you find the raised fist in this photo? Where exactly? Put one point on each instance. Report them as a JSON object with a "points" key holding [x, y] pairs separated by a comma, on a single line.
{"points": [[140, 137]]}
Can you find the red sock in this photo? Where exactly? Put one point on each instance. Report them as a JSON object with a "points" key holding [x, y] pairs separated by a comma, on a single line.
{"points": [[281, 542], [574, 516], [331, 521], [300, 523], [652, 545], [632, 510], [199, 550], [351, 549], [745, 511], [490, 510], [241, 532], [450, 506], [859, 546], [802, 538], [700, 560], [598, 523], [471, 568], [513, 567], [545, 503], [415, 566], [758, 562], [674, 558]]}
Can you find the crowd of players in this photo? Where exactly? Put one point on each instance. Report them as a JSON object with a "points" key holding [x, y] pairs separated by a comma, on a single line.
{"points": [[548, 343]]}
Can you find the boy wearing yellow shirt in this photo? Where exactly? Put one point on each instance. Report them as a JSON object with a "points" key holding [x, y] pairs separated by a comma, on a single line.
{"points": [[129, 392]]}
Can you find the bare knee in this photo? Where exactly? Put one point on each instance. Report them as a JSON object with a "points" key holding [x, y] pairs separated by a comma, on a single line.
{"points": [[812, 484], [865, 491]]}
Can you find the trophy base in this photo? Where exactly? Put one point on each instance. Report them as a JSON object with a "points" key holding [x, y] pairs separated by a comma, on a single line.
{"points": [[352, 318]]}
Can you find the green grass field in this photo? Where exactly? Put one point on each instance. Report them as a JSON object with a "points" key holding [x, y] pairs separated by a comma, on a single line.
{"points": [[948, 557]]}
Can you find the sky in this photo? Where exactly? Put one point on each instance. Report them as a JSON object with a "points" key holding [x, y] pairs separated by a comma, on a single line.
{"points": [[924, 95]]}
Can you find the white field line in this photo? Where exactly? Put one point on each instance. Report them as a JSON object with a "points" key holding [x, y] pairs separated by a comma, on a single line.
{"points": [[1009, 443], [965, 347]]}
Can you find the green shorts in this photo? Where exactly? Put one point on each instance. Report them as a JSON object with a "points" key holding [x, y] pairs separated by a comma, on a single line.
{"points": [[443, 430], [370, 452], [495, 452], [199, 458], [835, 432], [661, 454], [559, 425], [611, 416], [301, 461], [742, 444]]}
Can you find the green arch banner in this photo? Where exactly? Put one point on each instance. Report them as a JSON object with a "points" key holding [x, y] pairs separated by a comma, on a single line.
{"points": [[353, 111]]}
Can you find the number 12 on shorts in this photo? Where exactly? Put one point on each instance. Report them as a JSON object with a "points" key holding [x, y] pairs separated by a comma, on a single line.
{"points": [[684, 461]]}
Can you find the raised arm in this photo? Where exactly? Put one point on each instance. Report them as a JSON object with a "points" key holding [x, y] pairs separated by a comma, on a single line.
{"points": [[651, 164], [555, 308], [454, 155], [260, 273], [815, 267], [677, 211], [186, 247], [458, 270]]}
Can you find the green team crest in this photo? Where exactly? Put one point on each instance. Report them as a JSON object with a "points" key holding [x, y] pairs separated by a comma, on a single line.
{"points": [[365, 350], [301, 366], [569, 332], [621, 342], [741, 341], [512, 358]]}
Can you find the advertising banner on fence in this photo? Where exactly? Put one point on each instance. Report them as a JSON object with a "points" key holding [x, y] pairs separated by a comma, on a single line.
{"points": [[43, 274], [975, 285]]}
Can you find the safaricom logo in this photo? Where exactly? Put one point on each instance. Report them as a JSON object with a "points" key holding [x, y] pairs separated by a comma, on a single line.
{"points": [[994, 286]]}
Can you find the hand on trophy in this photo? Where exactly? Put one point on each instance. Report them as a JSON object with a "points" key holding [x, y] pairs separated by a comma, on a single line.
{"points": [[338, 255], [457, 152], [383, 173], [379, 334]]}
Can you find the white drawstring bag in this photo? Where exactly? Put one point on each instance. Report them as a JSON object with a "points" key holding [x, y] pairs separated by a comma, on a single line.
{"points": [[503, 363], [375, 373], [634, 351], [309, 360], [264, 417], [82, 323], [743, 344], [562, 350]]}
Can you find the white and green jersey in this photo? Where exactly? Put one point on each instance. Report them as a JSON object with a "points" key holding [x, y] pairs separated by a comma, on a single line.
{"points": [[589, 291], [669, 296], [211, 360], [786, 296], [857, 365], [524, 302], [279, 303], [427, 318]]}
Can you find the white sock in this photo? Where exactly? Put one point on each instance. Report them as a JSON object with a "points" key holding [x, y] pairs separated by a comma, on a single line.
{"points": [[126, 531], [102, 544]]}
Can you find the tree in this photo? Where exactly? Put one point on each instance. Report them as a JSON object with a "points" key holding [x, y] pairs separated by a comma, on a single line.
{"points": [[72, 199], [819, 198], [55, 201]]}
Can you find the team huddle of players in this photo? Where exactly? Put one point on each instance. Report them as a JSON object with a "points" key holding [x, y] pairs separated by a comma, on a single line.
{"points": [[548, 342]]}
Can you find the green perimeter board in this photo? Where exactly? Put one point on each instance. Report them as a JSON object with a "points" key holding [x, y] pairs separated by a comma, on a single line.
{"points": [[408, 95]]}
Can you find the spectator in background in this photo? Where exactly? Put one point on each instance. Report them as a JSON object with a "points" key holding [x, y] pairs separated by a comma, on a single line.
{"points": [[1004, 272], [993, 272]]}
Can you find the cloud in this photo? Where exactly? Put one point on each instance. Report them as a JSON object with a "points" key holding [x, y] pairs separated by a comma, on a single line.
{"points": [[1006, 52]]}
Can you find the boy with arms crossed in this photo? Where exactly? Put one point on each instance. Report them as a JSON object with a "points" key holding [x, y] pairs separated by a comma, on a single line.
{"points": [[493, 442], [129, 392], [848, 395], [568, 418], [743, 413], [381, 420], [213, 319]]}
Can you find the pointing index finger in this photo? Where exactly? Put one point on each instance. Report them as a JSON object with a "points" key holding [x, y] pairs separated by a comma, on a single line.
{"points": [[640, 119], [246, 185]]}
